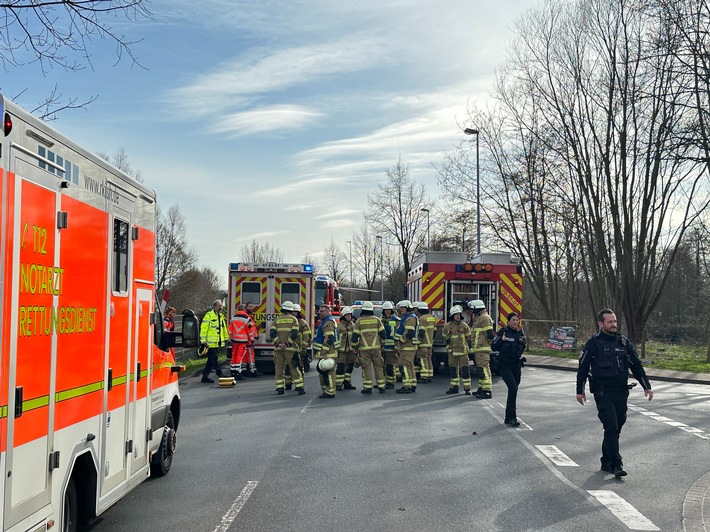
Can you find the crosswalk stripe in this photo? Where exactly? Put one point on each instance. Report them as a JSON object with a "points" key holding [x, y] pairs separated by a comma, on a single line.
{"points": [[624, 511], [556, 456]]}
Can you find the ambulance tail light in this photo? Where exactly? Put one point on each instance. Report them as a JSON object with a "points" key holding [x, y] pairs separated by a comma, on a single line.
{"points": [[7, 124]]}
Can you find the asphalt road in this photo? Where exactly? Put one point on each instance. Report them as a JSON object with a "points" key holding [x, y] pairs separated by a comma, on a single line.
{"points": [[249, 460]]}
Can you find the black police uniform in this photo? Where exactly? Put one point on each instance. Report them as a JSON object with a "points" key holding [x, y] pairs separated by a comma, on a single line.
{"points": [[510, 350], [610, 357]]}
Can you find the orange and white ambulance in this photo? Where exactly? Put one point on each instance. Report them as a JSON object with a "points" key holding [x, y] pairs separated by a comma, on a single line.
{"points": [[89, 399], [267, 285]]}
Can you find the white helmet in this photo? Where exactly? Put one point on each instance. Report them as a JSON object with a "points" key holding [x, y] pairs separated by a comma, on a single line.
{"points": [[405, 303], [287, 305], [346, 310], [326, 364], [367, 305], [296, 308], [387, 305], [421, 305], [456, 309], [476, 304]]}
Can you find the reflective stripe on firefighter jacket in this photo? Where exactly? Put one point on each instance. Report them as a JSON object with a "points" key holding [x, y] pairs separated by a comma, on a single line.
{"points": [[427, 326], [457, 336], [286, 331], [241, 328], [345, 331], [213, 330], [327, 340], [482, 327], [406, 335], [368, 333], [304, 336]]}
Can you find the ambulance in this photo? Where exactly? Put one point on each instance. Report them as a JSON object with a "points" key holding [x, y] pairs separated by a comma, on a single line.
{"points": [[89, 399], [446, 278], [267, 285]]}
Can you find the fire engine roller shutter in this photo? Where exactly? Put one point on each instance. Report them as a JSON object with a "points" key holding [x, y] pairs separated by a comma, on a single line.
{"points": [[510, 295], [433, 289]]}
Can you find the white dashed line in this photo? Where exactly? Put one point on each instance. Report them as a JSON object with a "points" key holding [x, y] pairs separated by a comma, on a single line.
{"points": [[624, 511], [668, 421], [556, 456], [237, 505]]}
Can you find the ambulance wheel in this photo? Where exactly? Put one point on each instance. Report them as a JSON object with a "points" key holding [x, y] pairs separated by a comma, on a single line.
{"points": [[163, 459], [70, 519]]}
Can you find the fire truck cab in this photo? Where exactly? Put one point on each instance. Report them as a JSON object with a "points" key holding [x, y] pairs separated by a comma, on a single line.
{"points": [[445, 278]]}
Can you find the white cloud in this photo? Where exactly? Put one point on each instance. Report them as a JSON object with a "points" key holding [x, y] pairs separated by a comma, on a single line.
{"points": [[271, 118]]}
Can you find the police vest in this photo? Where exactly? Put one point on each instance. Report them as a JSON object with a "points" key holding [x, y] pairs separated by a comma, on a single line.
{"points": [[611, 359]]}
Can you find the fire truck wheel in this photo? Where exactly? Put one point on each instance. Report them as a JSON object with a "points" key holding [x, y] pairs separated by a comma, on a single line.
{"points": [[70, 520], [163, 459]]}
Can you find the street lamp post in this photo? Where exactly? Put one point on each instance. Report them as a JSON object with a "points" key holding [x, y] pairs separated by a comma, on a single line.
{"points": [[382, 273], [428, 237], [350, 249], [470, 131]]}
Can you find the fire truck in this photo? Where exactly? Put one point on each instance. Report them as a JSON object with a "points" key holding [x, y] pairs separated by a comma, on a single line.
{"points": [[443, 279], [267, 285], [89, 399]]}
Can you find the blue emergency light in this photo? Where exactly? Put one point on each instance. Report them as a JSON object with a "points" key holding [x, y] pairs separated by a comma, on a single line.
{"points": [[307, 267]]}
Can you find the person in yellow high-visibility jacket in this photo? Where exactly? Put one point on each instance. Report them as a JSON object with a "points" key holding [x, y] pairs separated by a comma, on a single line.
{"points": [[214, 334], [482, 336]]}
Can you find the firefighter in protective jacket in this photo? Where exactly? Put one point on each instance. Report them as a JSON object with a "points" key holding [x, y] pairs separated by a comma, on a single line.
{"points": [[482, 333], [457, 336], [284, 333], [368, 335], [407, 343], [325, 345]]}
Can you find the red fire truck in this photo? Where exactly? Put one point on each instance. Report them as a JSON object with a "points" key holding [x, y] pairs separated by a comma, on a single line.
{"points": [[444, 278]]}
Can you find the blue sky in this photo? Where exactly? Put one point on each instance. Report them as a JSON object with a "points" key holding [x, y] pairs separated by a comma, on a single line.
{"points": [[274, 119]]}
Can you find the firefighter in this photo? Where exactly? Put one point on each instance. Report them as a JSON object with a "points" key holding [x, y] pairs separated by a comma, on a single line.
{"points": [[457, 336], [407, 342], [284, 333], [482, 330], [251, 359], [427, 326], [368, 335], [325, 345], [390, 321], [214, 335], [241, 332], [306, 335], [346, 355]]}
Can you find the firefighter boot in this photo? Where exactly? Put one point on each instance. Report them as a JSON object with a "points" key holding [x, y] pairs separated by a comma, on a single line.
{"points": [[484, 394], [348, 386], [453, 390]]}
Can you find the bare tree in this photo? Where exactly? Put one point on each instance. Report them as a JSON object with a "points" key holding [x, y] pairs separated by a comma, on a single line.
{"points": [[308, 258], [612, 111], [334, 262], [119, 159], [196, 289], [173, 255], [365, 255], [395, 209], [58, 34], [260, 252]]}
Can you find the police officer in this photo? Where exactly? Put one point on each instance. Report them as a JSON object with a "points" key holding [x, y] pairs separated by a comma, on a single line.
{"points": [[346, 355], [482, 334], [214, 335], [368, 335], [284, 333], [510, 343], [610, 356], [325, 345]]}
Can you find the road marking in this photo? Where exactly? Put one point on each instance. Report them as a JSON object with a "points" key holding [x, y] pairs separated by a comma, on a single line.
{"points": [[231, 515], [308, 404], [668, 421], [556, 456], [624, 511]]}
